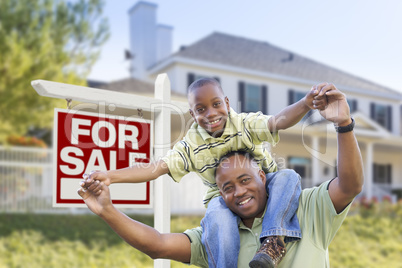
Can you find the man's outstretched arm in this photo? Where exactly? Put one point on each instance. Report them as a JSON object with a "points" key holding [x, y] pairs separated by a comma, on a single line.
{"points": [[140, 236], [349, 182]]}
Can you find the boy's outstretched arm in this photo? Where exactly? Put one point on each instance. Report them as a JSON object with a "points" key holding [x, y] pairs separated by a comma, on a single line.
{"points": [[146, 239], [140, 172], [293, 113]]}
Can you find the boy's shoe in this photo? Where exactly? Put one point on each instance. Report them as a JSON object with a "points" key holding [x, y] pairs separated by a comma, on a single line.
{"points": [[270, 254]]}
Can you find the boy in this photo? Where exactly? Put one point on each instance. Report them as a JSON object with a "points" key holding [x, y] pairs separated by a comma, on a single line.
{"points": [[218, 129]]}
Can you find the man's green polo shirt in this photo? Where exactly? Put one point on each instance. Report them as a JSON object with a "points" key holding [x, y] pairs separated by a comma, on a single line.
{"points": [[249, 243], [319, 223]]}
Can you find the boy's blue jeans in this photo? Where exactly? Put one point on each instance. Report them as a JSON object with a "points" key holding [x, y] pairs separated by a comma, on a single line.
{"points": [[220, 234]]}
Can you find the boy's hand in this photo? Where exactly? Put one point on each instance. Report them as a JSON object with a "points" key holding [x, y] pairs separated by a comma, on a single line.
{"points": [[315, 100], [100, 176]]}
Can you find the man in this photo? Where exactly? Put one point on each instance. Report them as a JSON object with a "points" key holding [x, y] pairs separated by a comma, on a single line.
{"points": [[321, 210]]}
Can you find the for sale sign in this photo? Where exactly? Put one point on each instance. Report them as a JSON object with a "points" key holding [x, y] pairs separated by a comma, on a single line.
{"points": [[88, 141]]}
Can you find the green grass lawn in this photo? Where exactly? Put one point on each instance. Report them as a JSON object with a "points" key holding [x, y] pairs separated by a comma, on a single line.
{"points": [[370, 237], [31, 240]]}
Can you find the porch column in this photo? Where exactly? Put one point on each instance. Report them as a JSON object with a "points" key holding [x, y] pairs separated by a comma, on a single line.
{"points": [[315, 163], [368, 176]]}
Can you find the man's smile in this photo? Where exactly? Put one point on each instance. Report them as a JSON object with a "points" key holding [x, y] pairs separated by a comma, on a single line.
{"points": [[245, 201]]}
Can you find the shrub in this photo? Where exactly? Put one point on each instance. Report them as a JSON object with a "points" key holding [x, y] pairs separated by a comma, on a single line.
{"points": [[371, 236], [26, 141]]}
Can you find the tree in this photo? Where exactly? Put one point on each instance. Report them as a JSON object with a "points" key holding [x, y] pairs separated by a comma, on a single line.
{"points": [[44, 39]]}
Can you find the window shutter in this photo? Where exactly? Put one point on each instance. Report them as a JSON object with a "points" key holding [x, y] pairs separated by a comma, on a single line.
{"points": [[264, 94], [389, 173], [372, 110], [389, 116], [354, 105], [241, 95], [374, 173], [291, 97], [190, 78]]}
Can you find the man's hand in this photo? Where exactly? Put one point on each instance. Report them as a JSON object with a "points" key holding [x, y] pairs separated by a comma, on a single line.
{"points": [[96, 196], [337, 110]]}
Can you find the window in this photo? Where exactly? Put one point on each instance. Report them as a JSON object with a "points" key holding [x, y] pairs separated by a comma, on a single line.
{"points": [[253, 100], [352, 105], [253, 97], [301, 165], [294, 96], [382, 114], [191, 77], [382, 173]]}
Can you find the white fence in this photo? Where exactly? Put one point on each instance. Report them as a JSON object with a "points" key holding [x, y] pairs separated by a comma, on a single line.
{"points": [[25, 179], [26, 185]]}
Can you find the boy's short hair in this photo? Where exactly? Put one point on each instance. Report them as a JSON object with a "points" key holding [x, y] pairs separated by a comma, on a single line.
{"points": [[202, 82]]}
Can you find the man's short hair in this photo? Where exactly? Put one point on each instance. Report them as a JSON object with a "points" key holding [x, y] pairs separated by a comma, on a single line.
{"points": [[202, 82]]}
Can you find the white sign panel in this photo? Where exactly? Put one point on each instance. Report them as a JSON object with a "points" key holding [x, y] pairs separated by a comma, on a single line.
{"points": [[88, 141]]}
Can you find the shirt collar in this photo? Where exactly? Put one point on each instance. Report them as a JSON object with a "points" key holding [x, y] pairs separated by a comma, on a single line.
{"points": [[256, 222]]}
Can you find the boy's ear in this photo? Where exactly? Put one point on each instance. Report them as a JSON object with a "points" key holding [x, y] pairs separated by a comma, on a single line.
{"points": [[191, 113], [227, 103]]}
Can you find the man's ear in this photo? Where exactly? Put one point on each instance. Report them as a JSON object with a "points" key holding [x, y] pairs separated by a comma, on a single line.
{"points": [[227, 103], [192, 114], [261, 173]]}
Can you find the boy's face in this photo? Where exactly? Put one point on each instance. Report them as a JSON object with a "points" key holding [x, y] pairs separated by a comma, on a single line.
{"points": [[209, 108]]}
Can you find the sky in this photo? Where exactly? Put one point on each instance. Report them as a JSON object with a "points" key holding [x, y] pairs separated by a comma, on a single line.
{"points": [[361, 37]]}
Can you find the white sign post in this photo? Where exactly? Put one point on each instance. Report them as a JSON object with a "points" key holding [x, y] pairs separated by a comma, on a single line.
{"points": [[161, 107], [162, 197]]}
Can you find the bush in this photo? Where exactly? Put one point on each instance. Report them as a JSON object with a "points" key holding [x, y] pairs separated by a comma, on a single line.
{"points": [[371, 236], [26, 141], [31, 240]]}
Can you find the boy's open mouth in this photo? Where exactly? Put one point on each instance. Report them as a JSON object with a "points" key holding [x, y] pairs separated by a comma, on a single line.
{"points": [[214, 122]]}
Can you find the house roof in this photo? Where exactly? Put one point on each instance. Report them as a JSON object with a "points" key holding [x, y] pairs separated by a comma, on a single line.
{"points": [[261, 56], [134, 86]]}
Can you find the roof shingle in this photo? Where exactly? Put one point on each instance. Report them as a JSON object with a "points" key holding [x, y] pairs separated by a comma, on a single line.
{"points": [[262, 56]]}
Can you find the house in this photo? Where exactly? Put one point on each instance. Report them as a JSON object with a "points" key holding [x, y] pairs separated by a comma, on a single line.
{"points": [[258, 76]]}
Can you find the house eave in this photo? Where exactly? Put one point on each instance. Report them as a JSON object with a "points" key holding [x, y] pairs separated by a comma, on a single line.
{"points": [[283, 78]]}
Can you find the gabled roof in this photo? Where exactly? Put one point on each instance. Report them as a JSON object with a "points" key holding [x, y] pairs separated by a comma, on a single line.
{"points": [[129, 85], [261, 56], [134, 86]]}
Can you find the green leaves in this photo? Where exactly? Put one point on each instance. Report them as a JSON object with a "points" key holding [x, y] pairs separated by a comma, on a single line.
{"points": [[72, 241], [372, 239], [43, 39]]}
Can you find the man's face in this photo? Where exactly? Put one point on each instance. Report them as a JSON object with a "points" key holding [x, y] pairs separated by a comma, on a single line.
{"points": [[209, 108], [241, 184]]}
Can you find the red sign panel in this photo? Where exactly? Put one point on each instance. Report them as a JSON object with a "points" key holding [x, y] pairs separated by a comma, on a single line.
{"points": [[88, 141]]}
